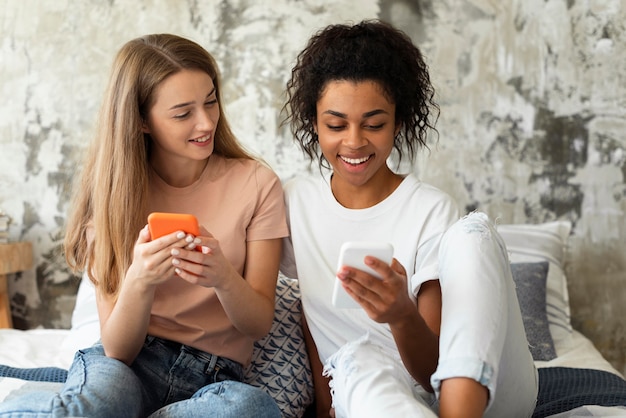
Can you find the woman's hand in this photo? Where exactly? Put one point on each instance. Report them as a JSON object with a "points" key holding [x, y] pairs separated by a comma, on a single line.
{"points": [[152, 258], [202, 262], [386, 300]]}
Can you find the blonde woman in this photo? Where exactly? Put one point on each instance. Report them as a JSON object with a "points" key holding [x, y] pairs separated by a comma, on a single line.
{"points": [[177, 324]]}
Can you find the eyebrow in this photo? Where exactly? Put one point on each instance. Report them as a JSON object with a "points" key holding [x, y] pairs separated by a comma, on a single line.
{"points": [[365, 115], [178, 106]]}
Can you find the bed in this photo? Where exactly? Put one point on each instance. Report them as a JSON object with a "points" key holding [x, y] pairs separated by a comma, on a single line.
{"points": [[574, 379]]}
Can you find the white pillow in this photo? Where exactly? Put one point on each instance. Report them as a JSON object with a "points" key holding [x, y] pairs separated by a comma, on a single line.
{"points": [[545, 242], [85, 329]]}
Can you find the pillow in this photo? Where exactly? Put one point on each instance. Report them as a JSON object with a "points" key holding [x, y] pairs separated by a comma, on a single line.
{"points": [[280, 363], [85, 325], [545, 242], [530, 286]]}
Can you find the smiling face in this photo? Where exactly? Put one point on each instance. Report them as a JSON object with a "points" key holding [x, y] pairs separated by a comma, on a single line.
{"points": [[182, 122], [356, 129]]}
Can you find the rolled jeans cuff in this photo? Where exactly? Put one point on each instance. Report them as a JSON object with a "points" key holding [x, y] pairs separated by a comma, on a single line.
{"points": [[470, 368]]}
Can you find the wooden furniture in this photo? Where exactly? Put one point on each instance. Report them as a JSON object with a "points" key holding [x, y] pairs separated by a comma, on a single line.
{"points": [[14, 257]]}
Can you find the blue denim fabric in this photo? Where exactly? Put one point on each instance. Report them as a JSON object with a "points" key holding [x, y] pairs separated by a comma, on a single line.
{"points": [[167, 379]]}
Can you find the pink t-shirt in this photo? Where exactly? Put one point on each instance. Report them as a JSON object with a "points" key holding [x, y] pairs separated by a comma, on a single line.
{"points": [[236, 200]]}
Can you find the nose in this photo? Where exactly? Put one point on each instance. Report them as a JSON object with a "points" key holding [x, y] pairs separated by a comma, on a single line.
{"points": [[355, 138], [207, 120]]}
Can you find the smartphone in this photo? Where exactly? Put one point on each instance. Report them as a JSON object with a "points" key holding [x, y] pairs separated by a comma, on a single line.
{"points": [[352, 254], [162, 223]]}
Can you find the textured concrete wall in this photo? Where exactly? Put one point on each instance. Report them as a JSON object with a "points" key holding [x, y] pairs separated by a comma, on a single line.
{"points": [[533, 122]]}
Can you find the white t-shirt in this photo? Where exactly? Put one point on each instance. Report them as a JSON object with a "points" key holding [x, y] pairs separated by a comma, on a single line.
{"points": [[413, 219]]}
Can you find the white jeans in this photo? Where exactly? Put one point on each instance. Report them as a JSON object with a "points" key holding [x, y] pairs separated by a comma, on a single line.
{"points": [[482, 338]]}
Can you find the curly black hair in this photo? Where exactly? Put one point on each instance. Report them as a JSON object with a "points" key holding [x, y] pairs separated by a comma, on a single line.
{"points": [[369, 50]]}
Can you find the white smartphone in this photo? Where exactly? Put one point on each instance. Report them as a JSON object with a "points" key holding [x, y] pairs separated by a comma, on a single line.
{"points": [[352, 254]]}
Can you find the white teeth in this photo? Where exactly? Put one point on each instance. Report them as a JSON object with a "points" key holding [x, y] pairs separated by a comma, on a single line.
{"points": [[354, 161], [203, 139]]}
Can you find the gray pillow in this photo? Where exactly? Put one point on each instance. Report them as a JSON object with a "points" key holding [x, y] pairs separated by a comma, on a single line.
{"points": [[530, 284]]}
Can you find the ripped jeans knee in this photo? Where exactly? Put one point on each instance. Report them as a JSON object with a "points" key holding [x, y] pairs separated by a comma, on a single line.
{"points": [[471, 243], [368, 381], [475, 227]]}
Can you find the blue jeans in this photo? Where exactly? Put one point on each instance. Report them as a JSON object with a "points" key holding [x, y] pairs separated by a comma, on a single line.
{"points": [[167, 379]]}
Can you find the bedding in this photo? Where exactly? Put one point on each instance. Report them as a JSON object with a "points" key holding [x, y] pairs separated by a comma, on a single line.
{"points": [[565, 388], [575, 380]]}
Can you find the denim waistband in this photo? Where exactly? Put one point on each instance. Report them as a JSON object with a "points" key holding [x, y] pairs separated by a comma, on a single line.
{"points": [[214, 363]]}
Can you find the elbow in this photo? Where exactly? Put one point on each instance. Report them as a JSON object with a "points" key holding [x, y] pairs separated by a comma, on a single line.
{"points": [[263, 328], [264, 324], [127, 360], [124, 354]]}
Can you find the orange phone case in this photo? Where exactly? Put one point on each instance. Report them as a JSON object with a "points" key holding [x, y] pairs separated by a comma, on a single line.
{"points": [[162, 223]]}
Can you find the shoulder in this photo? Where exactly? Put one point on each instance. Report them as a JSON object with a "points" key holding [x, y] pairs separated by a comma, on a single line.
{"points": [[246, 169], [263, 171], [424, 194], [414, 185], [304, 185]]}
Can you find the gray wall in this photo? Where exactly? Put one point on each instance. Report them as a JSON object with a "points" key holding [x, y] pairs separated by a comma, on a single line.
{"points": [[533, 123]]}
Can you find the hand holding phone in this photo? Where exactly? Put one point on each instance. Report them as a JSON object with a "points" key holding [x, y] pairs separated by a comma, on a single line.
{"points": [[352, 254], [162, 223]]}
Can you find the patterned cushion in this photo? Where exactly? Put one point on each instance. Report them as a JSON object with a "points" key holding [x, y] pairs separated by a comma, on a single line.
{"points": [[530, 285], [280, 364]]}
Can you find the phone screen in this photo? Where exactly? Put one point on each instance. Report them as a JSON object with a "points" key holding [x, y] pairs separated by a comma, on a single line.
{"points": [[353, 254]]}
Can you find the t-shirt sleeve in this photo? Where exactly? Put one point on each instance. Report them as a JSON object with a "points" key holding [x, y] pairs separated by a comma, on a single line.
{"points": [[269, 219], [288, 258], [443, 215]]}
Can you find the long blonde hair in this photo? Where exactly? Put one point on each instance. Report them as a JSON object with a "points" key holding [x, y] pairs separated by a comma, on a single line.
{"points": [[110, 200]]}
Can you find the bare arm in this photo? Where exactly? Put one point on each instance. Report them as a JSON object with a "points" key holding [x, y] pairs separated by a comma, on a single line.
{"points": [[249, 302], [416, 334], [323, 398], [124, 321]]}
